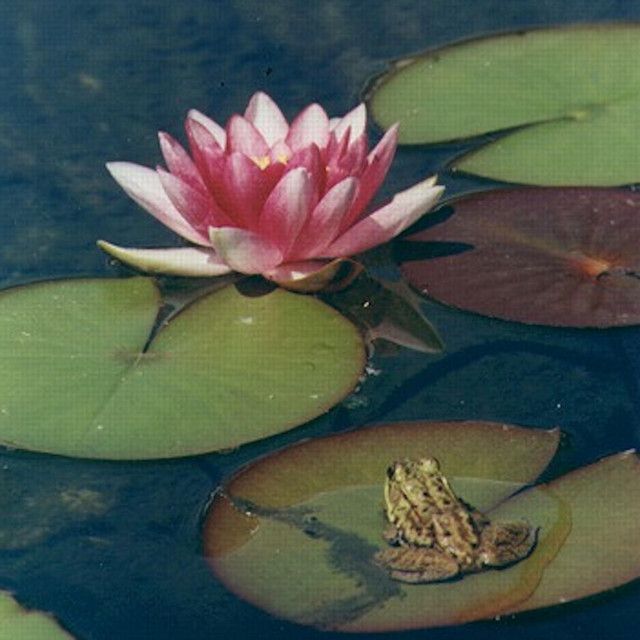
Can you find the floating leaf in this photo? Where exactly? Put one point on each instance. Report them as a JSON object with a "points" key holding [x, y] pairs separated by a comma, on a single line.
{"points": [[17, 623], [602, 498], [564, 257], [574, 90], [78, 380], [296, 532]]}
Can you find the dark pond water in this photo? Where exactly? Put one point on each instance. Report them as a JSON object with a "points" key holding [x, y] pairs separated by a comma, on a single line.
{"points": [[84, 82]]}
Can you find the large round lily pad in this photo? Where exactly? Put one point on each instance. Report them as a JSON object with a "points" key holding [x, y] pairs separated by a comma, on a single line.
{"points": [[572, 94], [295, 533], [564, 257], [17, 623], [77, 378]]}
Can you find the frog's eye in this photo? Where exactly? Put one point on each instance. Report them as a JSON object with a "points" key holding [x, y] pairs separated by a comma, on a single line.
{"points": [[430, 465]]}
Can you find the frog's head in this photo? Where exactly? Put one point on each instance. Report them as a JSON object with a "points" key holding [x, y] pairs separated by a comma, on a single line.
{"points": [[428, 466], [402, 470], [407, 481]]}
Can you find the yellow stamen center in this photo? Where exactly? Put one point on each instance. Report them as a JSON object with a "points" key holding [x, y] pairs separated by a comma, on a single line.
{"points": [[262, 161]]}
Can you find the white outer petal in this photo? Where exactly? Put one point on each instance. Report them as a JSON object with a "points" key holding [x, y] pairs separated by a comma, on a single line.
{"points": [[387, 222], [218, 132], [188, 261], [267, 118], [244, 251], [356, 119], [143, 185]]}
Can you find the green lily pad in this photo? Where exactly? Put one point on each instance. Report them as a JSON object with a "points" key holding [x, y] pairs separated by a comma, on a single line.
{"points": [[295, 533], [599, 499], [562, 257], [571, 94], [17, 623], [78, 378]]}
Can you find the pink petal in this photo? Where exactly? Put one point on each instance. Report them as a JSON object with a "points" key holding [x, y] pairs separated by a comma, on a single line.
{"points": [[267, 118], [349, 163], [355, 120], [143, 185], [287, 208], [336, 147], [311, 125], [386, 147], [387, 222], [245, 251], [242, 136], [311, 159], [244, 189], [353, 157], [324, 222], [273, 173], [206, 152], [188, 261], [378, 163], [198, 209], [179, 162], [216, 131], [280, 152]]}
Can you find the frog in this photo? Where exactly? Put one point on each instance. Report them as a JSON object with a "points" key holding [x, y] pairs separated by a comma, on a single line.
{"points": [[434, 535]]}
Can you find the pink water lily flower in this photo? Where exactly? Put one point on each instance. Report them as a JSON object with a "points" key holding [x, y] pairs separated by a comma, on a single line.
{"points": [[263, 196]]}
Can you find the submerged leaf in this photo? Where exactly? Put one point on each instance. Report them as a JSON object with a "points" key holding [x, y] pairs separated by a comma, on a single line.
{"points": [[79, 379], [387, 311], [571, 94], [564, 257]]}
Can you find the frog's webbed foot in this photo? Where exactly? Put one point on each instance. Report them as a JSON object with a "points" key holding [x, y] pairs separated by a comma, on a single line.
{"points": [[503, 543], [417, 564]]}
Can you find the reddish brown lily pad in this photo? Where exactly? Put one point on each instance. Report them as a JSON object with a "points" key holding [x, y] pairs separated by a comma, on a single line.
{"points": [[562, 257]]}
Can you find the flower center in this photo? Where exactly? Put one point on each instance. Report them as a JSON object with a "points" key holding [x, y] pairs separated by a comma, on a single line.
{"points": [[264, 161]]}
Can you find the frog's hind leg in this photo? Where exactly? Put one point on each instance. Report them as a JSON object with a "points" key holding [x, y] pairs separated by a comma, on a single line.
{"points": [[417, 564], [503, 543]]}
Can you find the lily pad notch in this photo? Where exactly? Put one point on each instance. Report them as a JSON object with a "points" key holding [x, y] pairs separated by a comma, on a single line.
{"points": [[226, 370], [566, 99]]}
